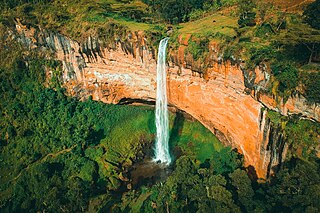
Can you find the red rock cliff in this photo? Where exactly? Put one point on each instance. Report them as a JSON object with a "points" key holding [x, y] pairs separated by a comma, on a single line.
{"points": [[220, 100]]}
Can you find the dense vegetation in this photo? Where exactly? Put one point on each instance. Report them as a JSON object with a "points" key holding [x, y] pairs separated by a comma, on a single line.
{"points": [[300, 134], [54, 151], [58, 154], [258, 33]]}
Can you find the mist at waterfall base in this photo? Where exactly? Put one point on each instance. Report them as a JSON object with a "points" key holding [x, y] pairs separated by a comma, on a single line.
{"points": [[162, 153]]}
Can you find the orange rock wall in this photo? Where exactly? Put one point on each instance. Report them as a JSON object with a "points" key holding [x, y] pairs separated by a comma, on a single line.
{"points": [[219, 100], [220, 103]]}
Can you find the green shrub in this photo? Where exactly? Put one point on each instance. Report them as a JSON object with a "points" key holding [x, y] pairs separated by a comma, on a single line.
{"points": [[259, 54], [198, 48], [287, 75], [247, 20], [196, 14], [264, 30], [299, 134], [247, 15], [312, 86], [155, 34], [312, 14], [302, 135]]}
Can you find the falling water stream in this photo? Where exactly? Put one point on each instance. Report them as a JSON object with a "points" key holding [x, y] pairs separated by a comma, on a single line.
{"points": [[162, 153]]}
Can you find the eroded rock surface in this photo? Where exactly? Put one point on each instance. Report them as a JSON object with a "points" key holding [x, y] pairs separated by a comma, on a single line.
{"points": [[221, 99]]}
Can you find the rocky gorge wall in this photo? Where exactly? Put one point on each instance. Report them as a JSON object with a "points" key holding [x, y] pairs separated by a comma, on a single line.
{"points": [[220, 100]]}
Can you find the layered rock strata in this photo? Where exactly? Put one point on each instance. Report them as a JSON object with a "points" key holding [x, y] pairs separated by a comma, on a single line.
{"points": [[220, 100]]}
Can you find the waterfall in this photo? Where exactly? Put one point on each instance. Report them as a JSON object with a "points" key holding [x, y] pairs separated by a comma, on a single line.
{"points": [[162, 121]]}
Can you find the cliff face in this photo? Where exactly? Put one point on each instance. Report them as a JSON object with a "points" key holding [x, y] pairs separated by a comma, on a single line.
{"points": [[220, 100]]}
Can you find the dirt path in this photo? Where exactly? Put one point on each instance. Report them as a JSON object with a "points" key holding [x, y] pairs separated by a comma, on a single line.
{"points": [[53, 155]]}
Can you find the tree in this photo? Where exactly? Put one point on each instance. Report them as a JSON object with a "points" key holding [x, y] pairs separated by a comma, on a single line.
{"points": [[311, 14], [175, 11], [242, 184], [247, 15], [216, 187], [295, 189], [312, 86], [287, 75], [225, 161], [301, 34]]}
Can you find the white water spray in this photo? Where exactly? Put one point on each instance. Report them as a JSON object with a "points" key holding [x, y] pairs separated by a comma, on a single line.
{"points": [[162, 122]]}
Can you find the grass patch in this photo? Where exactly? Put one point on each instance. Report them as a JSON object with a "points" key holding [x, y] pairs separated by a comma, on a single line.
{"points": [[193, 139], [213, 24], [132, 25]]}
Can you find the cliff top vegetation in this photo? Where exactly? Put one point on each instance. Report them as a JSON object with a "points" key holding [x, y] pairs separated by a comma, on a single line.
{"points": [[274, 33]]}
